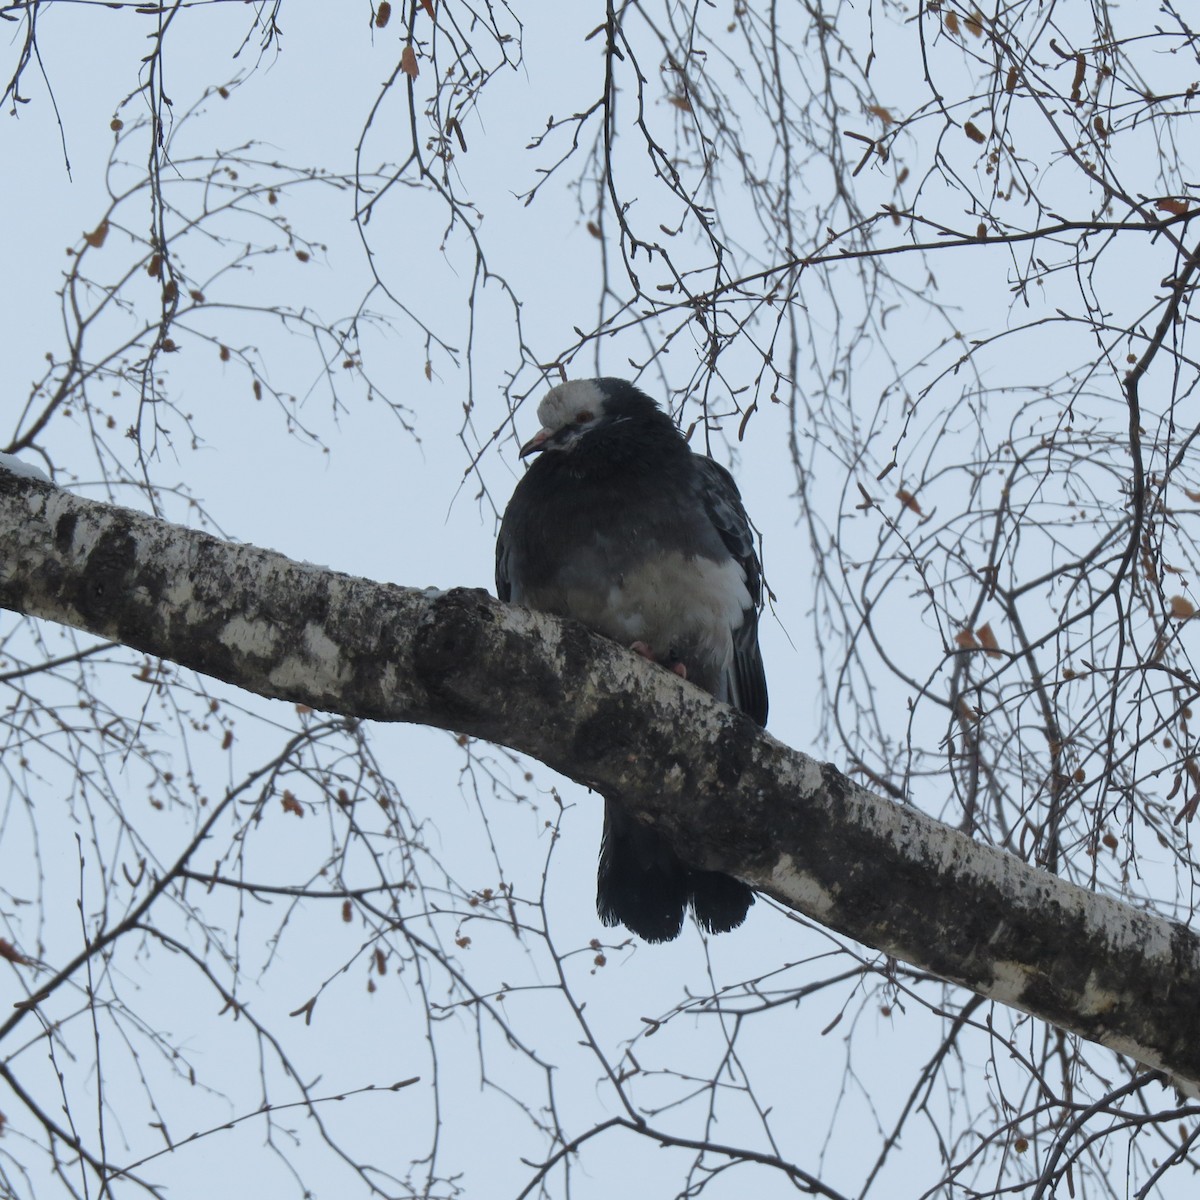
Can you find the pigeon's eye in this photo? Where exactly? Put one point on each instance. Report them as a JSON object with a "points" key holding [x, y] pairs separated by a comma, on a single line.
{"points": [[583, 417]]}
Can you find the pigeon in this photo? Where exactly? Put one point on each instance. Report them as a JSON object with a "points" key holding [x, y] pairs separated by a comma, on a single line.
{"points": [[620, 525]]}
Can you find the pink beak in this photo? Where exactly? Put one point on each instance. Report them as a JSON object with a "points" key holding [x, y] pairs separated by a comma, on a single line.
{"points": [[535, 443]]}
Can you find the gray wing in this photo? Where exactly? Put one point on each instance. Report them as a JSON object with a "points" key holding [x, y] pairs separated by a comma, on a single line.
{"points": [[503, 565], [723, 504]]}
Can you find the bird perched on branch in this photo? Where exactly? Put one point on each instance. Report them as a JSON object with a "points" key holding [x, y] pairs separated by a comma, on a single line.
{"points": [[618, 524]]}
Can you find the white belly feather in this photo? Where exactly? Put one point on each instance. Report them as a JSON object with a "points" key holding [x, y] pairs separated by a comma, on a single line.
{"points": [[671, 602]]}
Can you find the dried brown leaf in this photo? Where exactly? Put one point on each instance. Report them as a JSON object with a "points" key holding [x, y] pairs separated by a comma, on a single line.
{"points": [[1077, 82], [1188, 811], [1181, 608], [1169, 204], [988, 640], [11, 953]]}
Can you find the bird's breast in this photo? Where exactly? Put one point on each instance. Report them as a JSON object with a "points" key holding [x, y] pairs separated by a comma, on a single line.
{"points": [[681, 605]]}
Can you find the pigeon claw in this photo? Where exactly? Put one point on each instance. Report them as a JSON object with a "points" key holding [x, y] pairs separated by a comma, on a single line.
{"points": [[671, 663]]}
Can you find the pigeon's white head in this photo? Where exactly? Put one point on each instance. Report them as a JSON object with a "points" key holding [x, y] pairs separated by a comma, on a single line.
{"points": [[567, 413]]}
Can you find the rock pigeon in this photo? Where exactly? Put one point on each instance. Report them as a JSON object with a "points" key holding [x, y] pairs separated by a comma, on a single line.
{"points": [[618, 524]]}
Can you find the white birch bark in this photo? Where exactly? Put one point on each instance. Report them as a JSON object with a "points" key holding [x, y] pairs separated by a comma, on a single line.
{"points": [[729, 794]]}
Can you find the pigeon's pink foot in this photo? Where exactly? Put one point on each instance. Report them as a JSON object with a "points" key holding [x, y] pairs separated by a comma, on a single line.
{"points": [[646, 651]]}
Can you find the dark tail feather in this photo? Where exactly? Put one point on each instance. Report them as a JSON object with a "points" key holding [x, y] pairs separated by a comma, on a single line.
{"points": [[645, 886], [720, 902], [641, 884]]}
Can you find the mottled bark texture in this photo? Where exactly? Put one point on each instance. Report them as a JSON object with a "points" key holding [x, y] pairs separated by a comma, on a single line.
{"points": [[729, 795]]}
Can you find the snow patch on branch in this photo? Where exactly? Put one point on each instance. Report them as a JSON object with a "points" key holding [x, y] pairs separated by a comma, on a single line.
{"points": [[18, 466]]}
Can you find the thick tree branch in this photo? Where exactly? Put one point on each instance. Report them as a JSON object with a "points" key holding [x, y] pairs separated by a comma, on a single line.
{"points": [[730, 795]]}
